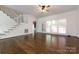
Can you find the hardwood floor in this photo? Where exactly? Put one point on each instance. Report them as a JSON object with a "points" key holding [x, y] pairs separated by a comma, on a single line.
{"points": [[40, 44]]}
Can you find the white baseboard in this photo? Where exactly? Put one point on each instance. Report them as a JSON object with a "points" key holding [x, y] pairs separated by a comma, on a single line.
{"points": [[15, 35], [58, 34]]}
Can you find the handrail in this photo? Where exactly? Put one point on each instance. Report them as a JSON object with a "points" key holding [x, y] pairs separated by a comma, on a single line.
{"points": [[17, 16], [10, 12]]}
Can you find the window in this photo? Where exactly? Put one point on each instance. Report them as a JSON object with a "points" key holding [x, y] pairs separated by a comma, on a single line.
{"points": [[48, 24], [62, 30], [56, 26], [62, 26], [54, 29]]}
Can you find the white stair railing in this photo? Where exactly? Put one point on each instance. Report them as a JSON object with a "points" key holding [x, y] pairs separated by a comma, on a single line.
{"points": [[15, 15], [19, 19], [10, 12]]}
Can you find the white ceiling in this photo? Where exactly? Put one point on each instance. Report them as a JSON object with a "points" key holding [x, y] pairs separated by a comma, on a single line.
{"points": [[33, 9]]}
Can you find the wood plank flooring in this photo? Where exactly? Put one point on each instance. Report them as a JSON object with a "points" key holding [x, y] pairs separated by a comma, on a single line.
{"points": [[39, 44]]}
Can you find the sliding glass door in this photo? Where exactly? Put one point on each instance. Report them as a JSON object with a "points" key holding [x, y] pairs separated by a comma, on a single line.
{"points": [[62, 26], [53, 27], [48, 26], [56, 26]]}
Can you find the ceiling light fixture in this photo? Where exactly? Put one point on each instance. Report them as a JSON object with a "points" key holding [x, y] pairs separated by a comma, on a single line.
{"points": [[44, 8]]}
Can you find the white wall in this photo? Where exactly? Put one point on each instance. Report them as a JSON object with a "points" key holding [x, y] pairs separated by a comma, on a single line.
{"points": [[5, 22], [19, 30], [28, 19], [77, 22], [71, 21]]}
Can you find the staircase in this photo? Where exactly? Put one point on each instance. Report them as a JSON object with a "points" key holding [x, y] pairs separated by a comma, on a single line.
{"points": [[10, 12], [10, 21]]}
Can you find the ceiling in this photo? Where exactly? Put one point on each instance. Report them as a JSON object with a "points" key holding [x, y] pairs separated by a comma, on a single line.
{"points": [[33, 9]]}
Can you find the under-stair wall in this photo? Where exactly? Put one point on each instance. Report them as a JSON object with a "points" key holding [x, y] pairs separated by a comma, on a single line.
{"points": [[6, 23], [19, 30], [12, 25]]}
